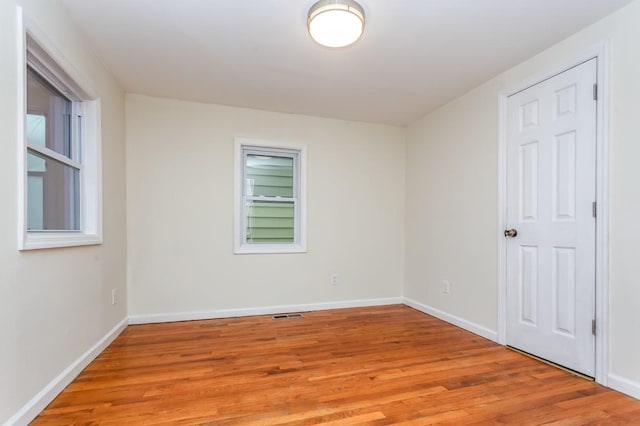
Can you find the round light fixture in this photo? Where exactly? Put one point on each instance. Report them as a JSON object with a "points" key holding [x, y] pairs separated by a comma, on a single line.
{"points": [[335, 23]]}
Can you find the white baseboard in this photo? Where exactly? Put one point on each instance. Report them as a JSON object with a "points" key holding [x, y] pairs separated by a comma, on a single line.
{"points": [[38, 403], [624, 385], [264, 310], [452, 319]]}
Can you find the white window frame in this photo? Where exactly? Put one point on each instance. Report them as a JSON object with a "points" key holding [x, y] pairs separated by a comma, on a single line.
{"points": [[299, 245], [35, 49]]}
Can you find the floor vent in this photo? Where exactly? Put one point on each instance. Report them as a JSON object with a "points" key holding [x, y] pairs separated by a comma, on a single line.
{"points": [[284, 316]]}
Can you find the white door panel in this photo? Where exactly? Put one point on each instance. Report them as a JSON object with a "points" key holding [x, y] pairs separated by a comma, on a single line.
{"points": [[551, 158]]}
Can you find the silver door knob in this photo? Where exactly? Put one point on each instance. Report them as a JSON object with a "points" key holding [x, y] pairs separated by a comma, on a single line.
{"points": [[510, 233]]}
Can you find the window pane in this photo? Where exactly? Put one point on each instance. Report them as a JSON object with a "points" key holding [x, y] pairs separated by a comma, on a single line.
{"points": [[270, 222], [48, 115], [52, 195], [35, 199], [37, 129], [269, 176]]}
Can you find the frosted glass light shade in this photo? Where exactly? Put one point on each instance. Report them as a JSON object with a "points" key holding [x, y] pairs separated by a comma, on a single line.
{"points": [[336, 23]]}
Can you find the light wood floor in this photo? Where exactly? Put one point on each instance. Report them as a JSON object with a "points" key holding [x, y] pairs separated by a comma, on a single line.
{"points": [[375, 366]]}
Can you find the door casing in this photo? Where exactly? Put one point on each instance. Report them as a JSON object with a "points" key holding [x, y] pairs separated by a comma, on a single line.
{"points": [[601, 53]]}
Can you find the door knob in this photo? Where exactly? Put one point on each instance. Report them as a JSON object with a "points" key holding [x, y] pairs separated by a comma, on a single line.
{"points": [[510, 233]]}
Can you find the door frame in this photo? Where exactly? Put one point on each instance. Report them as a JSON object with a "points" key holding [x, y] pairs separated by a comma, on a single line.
{"points": [[601, 53]]}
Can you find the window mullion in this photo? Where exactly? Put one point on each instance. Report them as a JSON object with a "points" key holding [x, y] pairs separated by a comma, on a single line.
{"points": [[296, 221], [76, 134], [269, 199], [245, 219], [296, 195], [54, 155]]}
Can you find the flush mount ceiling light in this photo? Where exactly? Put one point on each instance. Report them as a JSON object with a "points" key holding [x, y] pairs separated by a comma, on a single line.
{"points": [[335, 23]]}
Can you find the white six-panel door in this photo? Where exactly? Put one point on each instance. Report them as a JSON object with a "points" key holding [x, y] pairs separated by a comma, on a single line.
{"points": [[551, 186]]}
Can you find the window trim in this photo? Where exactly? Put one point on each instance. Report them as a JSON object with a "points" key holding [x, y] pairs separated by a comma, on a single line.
{"points": [[34, 48], [300, 209]]}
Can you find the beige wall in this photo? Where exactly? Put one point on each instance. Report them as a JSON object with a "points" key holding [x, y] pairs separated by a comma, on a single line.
{"points": [[180, 180], [55, 304], [451, 202]]}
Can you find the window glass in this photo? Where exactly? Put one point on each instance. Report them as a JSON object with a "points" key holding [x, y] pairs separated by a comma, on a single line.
{"points": [[37, 129], [269, 176], [269, 197], [270, 222], [52, 195], [48, 115], [53, 187]]}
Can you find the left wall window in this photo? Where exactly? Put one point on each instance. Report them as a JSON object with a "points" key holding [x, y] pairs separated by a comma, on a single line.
{"points": [[59, 161], [53, 164]]}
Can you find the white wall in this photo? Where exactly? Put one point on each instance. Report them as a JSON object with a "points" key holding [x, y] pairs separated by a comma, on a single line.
{"points": [[451, 202], [55, 304], [180, 171]]}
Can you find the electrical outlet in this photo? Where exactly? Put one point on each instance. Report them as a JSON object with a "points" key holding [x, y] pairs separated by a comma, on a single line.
{"points": [[445, 286], [114, 296], [334, 279]]}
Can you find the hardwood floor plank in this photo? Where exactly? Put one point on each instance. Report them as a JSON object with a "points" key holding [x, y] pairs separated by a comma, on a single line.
{"points": [[376, 366], [356, 420]]}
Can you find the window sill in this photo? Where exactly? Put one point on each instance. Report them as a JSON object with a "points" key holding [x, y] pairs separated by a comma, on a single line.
{"points": [[270, 249], [46, 240]]}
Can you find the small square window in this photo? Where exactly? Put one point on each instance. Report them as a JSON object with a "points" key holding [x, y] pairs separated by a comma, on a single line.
{"points": [[270, 194]]}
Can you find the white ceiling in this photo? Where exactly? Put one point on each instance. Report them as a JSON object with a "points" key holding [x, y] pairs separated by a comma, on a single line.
{"points": [[414, 56]]}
